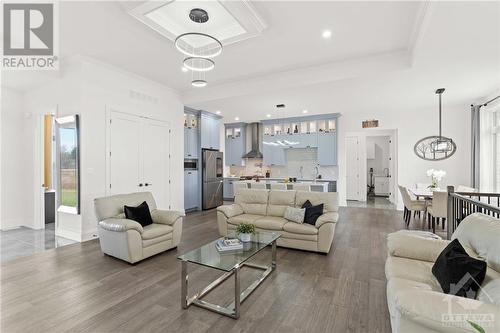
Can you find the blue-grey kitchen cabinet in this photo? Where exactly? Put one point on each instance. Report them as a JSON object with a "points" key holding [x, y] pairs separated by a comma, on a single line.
{"points": [[327, 148], [190, 142], [210, 132], [191, 189], [235, 143], [228, 189]]}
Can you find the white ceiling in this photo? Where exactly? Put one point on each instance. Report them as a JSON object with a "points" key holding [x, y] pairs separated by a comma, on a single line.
{"points": [[379, 51], [457, 47], [104, 30]]}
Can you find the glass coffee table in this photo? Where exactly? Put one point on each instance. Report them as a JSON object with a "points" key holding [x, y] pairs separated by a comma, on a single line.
{"points": [[231, 263]]}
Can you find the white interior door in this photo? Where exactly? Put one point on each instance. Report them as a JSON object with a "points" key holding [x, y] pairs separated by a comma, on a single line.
{"points": [[392, 169], [156, 166], [352, 165], [125, 153]]}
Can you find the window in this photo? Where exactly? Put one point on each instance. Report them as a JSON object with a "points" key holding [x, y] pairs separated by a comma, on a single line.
{"points": [[490, 148], [69, 163], [496, 144]]}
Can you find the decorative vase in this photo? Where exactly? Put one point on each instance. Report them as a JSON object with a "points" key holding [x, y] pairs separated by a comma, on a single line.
{"points": [[245, 237]]}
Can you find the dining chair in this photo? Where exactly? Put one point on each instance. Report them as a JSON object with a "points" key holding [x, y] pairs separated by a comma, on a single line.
{"points": [[410, 205], [420, 186], [258, 185], [302, 187], [438, 209], [278, 186]]}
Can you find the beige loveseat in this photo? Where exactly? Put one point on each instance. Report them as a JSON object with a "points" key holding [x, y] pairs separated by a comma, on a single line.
{"points": [[265, 210], [415, 298], [128, 240]]}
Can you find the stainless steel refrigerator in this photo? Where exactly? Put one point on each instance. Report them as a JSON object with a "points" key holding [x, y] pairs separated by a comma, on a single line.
{"points": [[212, 179]]}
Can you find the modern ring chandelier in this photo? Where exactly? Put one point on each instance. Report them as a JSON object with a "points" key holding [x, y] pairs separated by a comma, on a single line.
{"points": [[435, 147], [199, 48]]}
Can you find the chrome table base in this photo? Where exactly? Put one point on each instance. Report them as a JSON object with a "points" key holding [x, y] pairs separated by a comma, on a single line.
{"points": [[233, 309]]}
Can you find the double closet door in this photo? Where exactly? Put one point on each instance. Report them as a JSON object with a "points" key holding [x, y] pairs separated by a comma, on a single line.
{"points": [[139, 156]]}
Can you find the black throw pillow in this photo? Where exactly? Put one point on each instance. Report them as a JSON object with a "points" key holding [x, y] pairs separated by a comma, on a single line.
{"points": [[312, 212], [139, 214], [458, 273]]}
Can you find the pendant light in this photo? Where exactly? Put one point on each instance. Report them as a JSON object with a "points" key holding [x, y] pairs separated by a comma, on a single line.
{"points": [[436, 147], [199, 48]]}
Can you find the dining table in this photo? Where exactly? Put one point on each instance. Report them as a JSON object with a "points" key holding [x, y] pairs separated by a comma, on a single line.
{"points": [[424, 192]]}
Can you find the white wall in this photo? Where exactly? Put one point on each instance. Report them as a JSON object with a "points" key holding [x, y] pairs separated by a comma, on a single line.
{"points": [[106, 87], [88, 88], [16, 175], [412, 125]]}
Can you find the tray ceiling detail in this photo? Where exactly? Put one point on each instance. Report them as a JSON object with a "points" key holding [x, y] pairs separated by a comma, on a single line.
{"points": [[229, 22]]}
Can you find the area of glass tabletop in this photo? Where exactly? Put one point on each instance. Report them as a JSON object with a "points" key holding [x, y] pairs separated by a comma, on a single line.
{"points": [[208, 255]]}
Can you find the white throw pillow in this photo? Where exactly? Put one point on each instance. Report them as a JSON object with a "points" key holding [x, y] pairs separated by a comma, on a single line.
{"points": [[296, 215]]}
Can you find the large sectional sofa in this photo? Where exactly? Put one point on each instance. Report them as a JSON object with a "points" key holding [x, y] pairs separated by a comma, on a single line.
{"points": [[265, 209], [414, 296]]}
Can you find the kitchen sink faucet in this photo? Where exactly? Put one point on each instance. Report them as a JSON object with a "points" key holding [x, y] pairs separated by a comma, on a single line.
{"points": [[316, 172]]}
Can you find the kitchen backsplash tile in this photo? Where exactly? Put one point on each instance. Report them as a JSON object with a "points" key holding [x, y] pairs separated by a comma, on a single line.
{"points": [[307, 158]]}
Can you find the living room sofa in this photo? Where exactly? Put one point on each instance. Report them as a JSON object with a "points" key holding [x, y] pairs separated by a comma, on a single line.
{"points": [[414, 296], [265, 209], [129, 240]]}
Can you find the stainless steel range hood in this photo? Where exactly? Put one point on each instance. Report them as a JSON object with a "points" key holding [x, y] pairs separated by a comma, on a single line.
{"points": [[255, 151]]}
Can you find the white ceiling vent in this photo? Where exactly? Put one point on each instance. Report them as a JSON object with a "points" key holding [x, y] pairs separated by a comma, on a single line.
{"points": [[230, 21]]}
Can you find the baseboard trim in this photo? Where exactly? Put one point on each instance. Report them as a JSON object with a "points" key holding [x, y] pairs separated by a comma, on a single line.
{"points": [[73, 235], [90, 235]]}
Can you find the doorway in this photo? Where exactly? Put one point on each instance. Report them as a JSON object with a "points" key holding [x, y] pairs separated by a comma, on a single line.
{"points": [[138, 156], [40, 234], [371, 169], [378, 165]]}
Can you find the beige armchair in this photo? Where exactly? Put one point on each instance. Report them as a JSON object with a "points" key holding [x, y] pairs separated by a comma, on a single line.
{"points": [[128, 240]]}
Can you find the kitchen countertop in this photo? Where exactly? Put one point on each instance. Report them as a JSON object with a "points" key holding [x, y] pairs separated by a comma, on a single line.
{"points": [[282, 178]]}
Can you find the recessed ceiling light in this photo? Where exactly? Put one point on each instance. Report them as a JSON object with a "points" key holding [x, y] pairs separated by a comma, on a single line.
{"points": [[184, 69], [326, 34], [236, 118], [268, 115], [305, 111], [218, 111]]}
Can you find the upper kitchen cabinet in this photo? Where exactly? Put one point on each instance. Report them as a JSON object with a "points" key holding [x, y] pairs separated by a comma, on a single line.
{"points": [[210, 131], [191, 144], [274, 155], [235, 143], [327, 148], [313, 132]]}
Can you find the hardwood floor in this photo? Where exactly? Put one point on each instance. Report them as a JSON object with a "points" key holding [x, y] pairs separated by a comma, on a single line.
{"points": [[78, 289]]}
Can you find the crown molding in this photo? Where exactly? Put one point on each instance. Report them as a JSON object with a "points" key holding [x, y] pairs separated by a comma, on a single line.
{"points": [[334, 71]]}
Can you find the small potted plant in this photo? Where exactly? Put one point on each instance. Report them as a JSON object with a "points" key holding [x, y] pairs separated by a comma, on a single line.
{"points": [[245, 231]]}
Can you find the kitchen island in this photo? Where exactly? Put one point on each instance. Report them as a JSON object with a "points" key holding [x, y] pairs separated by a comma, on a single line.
{"points": [[319, 185]]}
